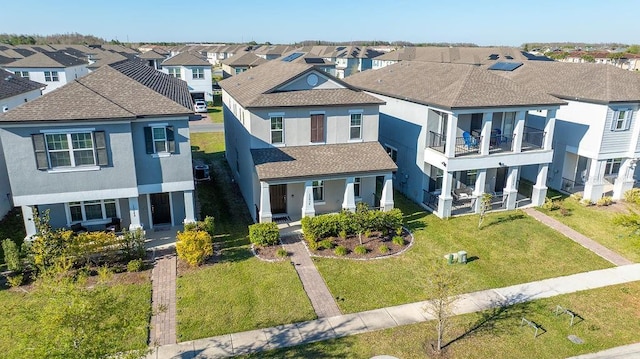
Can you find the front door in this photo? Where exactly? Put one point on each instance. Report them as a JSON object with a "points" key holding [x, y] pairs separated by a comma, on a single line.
{"points": [[278, 196], [160, 208], [501, 179]]}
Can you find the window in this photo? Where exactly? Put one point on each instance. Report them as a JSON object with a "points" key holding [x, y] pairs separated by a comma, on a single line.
{"points": [[356, 186], [318, 190], [76, 149], [240, 70], [175, 72], [23, 74], [355, 128], [471, 177], [198, 73], [159, 139], [51, 76], [317, 128], [613, 166], [277, 130], [392, 152], [621, 120], [93, 210]]}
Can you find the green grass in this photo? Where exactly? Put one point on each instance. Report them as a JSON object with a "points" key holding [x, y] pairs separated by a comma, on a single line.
{"points": [[498, 333], [510, 248], [597, 224], [215, 114]]}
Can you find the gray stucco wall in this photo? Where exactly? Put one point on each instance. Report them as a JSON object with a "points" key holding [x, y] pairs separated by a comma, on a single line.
{"points": [[5, 187]]}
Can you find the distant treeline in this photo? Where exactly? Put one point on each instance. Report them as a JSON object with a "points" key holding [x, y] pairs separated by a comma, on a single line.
{"points": [[382, 43], [67, 39], [573, 45]]}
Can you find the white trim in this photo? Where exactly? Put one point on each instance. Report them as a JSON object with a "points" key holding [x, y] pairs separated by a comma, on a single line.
{"points": [[356, 111], [150, 215], [53, 198], [165, 187], [160, 154], [276, 114], [69, 130], [317, 112], [73, 169], [124, 121], [164, 124], [89, 222], [171, 207]]}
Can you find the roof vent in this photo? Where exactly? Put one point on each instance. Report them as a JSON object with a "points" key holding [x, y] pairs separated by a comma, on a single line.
{"points": [[380, 81]]}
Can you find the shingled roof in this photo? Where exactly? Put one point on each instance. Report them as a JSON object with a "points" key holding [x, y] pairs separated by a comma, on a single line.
{"points": [[107, 58], [47, 60], [460, 55], [152, 55], [123, 91], [449, 86], [246, 59], [185, 59], [298, 162], [12, 85], [258, 88]]}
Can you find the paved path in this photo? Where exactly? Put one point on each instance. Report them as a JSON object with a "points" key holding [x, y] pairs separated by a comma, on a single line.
{"points": [[312, 282], [579, 238], [631, 351], [163, 299], [349, 324]]}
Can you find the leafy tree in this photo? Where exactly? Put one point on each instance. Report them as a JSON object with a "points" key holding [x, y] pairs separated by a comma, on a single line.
{"points": [[442, 285], [526, 48], [485, 205], [633, 49], [588, 58]]}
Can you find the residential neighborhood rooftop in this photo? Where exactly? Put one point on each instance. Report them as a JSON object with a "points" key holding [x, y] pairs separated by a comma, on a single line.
{"points": [[461, 55], [12, 85], [56, 59], [246, 59], [185, 59]]}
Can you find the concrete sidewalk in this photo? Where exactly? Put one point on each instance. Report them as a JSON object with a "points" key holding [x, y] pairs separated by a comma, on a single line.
{"points": [[630, 351], [343, 325]]}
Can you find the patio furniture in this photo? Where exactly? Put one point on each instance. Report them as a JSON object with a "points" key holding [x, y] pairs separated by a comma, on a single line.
{"points": [[77, 228], [114, 225], [462, 193], [469, 141]]}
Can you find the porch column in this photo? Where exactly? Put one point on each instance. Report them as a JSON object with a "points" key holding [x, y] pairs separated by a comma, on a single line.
{"points": [[29, 224], [481, 179], [265, 203], [452, 131], [349, 201], [308, 209], [486, 133], [189, 211], [518, 131], [625, 180], [445, 200], [540, 188], [386, 202], [594, 186], [549, 128], [511, 189], [134, 214]]}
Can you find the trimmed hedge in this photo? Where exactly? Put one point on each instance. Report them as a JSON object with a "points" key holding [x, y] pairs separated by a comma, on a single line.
{"points": [[194, 247], [264, 234], [364, 219]]}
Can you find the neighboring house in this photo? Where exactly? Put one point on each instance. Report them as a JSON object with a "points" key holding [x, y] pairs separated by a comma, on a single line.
{"points": [[54, 69], [194, 70], [271, 52], [241, 63], [299, 56], [105, 58], [597, 136], [624, 61], [153, 58], [459, 131], [301, 142], [114, 143]]}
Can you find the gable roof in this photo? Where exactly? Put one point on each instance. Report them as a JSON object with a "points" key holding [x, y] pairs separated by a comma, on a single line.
{"points": [[151, 55], [185, 59], [106, 59], [107, 93], [449, 86], [460, 55], [12, 85], [56, 59], [246, 59]]}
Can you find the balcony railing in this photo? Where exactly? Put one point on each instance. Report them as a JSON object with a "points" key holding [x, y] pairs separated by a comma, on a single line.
{"points": [[463, 145], [430, 199], [532, 139]]}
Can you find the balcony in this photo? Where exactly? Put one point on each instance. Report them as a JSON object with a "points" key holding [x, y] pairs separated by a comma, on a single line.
{"points": [[464, 145], [532, 139], [469, 144]]}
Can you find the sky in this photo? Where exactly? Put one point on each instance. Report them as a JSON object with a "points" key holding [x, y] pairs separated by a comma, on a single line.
{"points": [[499, 22]]}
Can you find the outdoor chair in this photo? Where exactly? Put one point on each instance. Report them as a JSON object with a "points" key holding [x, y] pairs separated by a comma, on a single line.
{"points": [[469, 141], [114, 225]]}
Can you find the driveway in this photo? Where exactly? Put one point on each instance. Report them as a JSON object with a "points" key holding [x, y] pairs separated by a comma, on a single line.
{"points": [[202, 123]]}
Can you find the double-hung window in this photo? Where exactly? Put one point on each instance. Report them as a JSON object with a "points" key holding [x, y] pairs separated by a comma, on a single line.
{"points": [[23, 74], [392, 152], [92, 210], [51, 76], [74, 149], [356, 186], [613, 166], [198, 73], [159, 139], [277, 130], [318, 191], [621, 120], [355, 127], [175, 72]]}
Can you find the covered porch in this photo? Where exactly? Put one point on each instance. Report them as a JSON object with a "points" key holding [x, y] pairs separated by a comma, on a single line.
{"points": [[597, 178]]}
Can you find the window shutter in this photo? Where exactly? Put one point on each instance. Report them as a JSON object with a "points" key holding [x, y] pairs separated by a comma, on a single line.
{"points": [[314, 128], [171, 142], [100, 141], [627, 120], [148, 139], [614, 120], [40, 150]]}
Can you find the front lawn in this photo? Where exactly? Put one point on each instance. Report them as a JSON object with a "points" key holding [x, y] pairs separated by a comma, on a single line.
{"points": [[597, 224], [215, 114], [611, 318], [510, 248]]}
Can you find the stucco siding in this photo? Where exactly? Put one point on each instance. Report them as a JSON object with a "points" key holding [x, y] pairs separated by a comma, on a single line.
{"points": [[15, 101]]}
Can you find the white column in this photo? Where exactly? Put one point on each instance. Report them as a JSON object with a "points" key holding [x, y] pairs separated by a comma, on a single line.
{"points": [[386, 202], [540, 188], [134, 214], [549, 128], [481, 179], [511, 189], [308, 209], [29, 224], [625, 180], [265, 203], [452, 131], [486, 133], [518, 131], [594, 187], [189, 210], [349, 201], [445, 199]]}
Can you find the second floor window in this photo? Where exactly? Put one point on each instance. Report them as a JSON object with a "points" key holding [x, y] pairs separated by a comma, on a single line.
{"points": [[355, 128], [317, 128], [159, 139], [23, 74], [60, 150], [51, 76], [198, 74], [277, 130], [621, 120], [175, 72]]}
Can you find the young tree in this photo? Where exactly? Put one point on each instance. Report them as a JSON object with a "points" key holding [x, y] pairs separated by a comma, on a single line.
{"points": [[485, 205], [442, 285]]}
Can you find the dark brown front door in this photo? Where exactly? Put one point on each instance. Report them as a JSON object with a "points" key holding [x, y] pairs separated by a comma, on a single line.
{"points": [[160, 208], [317, 128], [278, 195]]}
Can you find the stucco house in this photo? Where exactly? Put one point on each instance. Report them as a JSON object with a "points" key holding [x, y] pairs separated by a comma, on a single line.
{"points": [[240, 63], [194, 70], [114, 143], [458, 131], [153, 58], [301, 142]]}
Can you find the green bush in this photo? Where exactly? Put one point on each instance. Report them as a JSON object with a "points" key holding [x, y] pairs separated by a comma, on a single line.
{"points": [[325, 244], [341, 251], [281, 252], [15, 280], [343, 234], [632, 196], [586, 202], [135, 265], [605, 201], [347, 223], [264, 234], [360, 250], [367, 233], [194, 247], [208, 225], [133, 243], [383, 249], [398, 240], [313, 244], [550, 204], [12, 255]]}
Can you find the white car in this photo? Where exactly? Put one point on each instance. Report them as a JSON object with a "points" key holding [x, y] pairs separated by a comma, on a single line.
{"points": [[200, 106]]}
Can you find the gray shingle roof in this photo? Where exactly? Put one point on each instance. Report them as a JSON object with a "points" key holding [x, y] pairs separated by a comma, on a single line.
{"points": [[106, 59], [449, 86], [47, 60], [152, 55], [327, 97], [460, 55], [246, 59], [299, 162], [12, 85], [185, 59]]}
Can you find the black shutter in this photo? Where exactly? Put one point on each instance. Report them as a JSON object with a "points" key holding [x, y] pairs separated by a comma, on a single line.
{"points": [[40, 150], [148, 138], [101, 148], [171, 142]]}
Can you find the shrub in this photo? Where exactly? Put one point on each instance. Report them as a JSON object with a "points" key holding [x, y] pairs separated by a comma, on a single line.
{"points": [[281, 252], [194, 247], [207, 225], [367, 233], [105, 274], [133, 243], [399, 231], [605, 201], [340, 251], [632, 196], [577, 196], [398, 240], [15, 280], [135, 265], [550, 204], [264, 234], [383, 249], [586, 202], [313, 244], [343, 234], [346, 223], [325, 244], [12, 255], [360, 250]]}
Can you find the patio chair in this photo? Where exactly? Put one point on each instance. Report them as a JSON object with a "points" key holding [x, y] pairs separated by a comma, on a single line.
{"points": [[114, 225], [469, 141]]}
